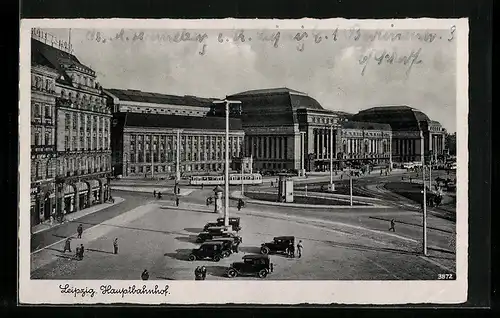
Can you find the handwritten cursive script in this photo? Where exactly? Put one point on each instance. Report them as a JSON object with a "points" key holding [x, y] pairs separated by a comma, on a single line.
{"points": [[110, 290], [390, 57]]}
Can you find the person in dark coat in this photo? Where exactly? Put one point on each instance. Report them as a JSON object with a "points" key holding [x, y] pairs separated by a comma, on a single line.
{"points": [[154, 193], [145, 275], [77, 253], [159, 195], [176, 201], [115, 246], [79, 231], [67, 245], [82, 250], [393, 224], [299, 248]]}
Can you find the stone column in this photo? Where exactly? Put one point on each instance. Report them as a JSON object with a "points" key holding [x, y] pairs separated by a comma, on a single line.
{"points": [[282, 155], [316, 142]]}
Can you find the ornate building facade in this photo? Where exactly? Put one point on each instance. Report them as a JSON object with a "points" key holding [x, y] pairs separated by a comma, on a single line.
{"points": [[148, 128], [289, 130], [43, 150], [82, 137], [413, 133]]}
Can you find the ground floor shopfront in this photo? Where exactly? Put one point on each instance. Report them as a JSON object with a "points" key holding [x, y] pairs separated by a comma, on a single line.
{"points": [[66, 196]]}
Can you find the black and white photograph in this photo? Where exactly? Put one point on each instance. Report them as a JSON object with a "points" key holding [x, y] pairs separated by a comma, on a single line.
{"points": [[278, 161]]}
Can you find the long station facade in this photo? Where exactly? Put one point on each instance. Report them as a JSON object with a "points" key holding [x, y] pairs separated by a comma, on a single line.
{"points": [[158, 135], [76, 133]]}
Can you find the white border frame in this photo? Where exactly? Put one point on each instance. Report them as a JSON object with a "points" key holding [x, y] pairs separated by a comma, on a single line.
{"points": [[251, 292]]}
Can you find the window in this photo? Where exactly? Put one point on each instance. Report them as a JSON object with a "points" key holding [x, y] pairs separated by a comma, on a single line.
{"points": [[66, 142], [47, 111], [67, 121], [47, 138], [37, 170], [36, 110], [37, 138], [75, 143], [75, 121]]}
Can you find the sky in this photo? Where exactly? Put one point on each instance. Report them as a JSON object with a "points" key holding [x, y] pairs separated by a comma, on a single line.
{"points": [[330, 71]]}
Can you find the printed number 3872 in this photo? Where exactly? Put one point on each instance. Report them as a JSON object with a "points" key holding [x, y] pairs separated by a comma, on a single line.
{"points": [[446, 276]]}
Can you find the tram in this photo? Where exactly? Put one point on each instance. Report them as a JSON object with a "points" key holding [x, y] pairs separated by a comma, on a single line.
{"points": [[234, 179]]}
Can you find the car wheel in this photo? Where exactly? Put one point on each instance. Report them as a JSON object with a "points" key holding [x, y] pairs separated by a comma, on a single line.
{"points": [[264, 250], [216, 258], [225, 254], [231, 273], [192, 257], [262, 273]]}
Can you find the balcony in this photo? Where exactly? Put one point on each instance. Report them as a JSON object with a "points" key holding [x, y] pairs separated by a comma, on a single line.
{"points": [[62, 102], [41, 149]]}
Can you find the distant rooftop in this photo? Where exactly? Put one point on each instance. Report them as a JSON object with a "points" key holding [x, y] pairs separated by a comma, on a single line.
{"points": [[281, 90], [133, 95], [365, 125], [176, 121]]}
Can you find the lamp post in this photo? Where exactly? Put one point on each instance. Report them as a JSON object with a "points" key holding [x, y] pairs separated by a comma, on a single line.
{"points": [[302, 149], [332, 187], [242, 175], [177, 159], [226, 179], [424, 212]]}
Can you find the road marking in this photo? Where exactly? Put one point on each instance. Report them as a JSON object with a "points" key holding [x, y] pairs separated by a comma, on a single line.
{"points": [[438, 264], [385, 269]]}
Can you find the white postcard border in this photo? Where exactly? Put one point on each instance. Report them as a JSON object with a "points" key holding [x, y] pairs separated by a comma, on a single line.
{"points": [[250, 292]]}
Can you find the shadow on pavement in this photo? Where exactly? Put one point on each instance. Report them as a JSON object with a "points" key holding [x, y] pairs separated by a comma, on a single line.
{"points": [[187, 209], [217, 271], [180, 254], [60, 236], [164, 278], [56, 250], [408, 223], [187, 239], [372, 248], [100, 251], [133, 228], [67, 257], [193, 230], [249, 249]]}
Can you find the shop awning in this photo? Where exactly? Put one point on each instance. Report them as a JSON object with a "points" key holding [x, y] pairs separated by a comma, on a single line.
{"points": [[81, 187], [68, 189], [94, 184]]}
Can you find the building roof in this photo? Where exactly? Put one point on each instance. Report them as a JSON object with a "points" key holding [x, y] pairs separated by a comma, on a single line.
{"points": [[364, 125], [176, 121], [44, 54], [273, 107], [399, 117], [279, 90], [133, 95]]}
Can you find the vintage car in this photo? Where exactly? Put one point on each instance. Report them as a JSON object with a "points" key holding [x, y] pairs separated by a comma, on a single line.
{"points": [[233, 221], [210, 224], [253, 264], [280, 244], [210, 250], [230, 244], [207, 236]]}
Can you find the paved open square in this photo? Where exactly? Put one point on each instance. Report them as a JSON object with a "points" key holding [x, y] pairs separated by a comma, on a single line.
{"points": [[158, 236]]}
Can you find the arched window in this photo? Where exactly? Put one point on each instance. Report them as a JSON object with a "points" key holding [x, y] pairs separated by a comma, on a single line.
{"points": [[37, 170]]}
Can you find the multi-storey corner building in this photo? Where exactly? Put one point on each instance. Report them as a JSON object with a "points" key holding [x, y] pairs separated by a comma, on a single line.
{"points": [[43, 136], [82, 131], [154, 133]]}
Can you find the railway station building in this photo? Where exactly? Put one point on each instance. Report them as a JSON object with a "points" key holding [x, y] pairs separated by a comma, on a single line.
{"points": [[287, 130], [148, 127], [413, 133]]}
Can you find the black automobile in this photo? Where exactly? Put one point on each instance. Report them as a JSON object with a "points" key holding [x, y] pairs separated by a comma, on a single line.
{"points": [[230, 245], [210, 250], [253, 264], [234, 222], [207, 236], [210, 224], [280, 244]]}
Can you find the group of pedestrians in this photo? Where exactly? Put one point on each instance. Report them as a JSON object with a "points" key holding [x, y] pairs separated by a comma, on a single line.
{"points": [[80, 250], [290, 251]]}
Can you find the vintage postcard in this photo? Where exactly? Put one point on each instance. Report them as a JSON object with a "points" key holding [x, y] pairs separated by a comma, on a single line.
{"points": [[243, 161]]}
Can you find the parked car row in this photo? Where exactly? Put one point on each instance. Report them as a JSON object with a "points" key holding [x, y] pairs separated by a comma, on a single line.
{"points": [[218, 242]]}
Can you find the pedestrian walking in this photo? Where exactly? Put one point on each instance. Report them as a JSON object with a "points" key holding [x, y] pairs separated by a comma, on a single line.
{"points": [[79, 231], [77, 253], [67, 245], [82, 250], [393, 224], [299, 248], [159, 195], [115, 246], [154, 193], [292, 250], [145, 275], [411, 179], [176, 201]]}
